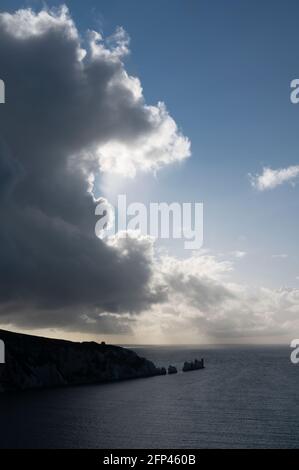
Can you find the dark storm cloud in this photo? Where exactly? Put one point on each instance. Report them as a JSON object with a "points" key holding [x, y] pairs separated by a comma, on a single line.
{"points": [[60, 109]]}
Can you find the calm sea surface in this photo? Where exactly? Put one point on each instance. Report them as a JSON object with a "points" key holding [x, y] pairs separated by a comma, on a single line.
{"points": [[245, 398]]}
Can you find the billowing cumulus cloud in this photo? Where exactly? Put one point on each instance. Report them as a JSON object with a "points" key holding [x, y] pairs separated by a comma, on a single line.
{"points": [[270, 179], [72, 112]]}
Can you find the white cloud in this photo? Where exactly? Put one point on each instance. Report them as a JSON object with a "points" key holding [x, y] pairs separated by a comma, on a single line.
{"points": [[126, 135], [163, 145], [25, 23], [270, 179], [205, 305]]}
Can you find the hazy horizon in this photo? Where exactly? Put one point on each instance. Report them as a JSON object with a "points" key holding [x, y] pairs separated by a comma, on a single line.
{"points": [[115, 340]]}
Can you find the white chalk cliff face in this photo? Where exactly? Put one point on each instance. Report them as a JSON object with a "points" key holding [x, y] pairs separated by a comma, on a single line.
{"points": [[33, 362]]}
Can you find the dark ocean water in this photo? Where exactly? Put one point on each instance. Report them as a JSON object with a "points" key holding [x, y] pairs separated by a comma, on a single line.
{"points": [[245, 398]]}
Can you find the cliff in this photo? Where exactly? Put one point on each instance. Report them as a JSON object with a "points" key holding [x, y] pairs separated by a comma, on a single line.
{"points": [[35, 362]]}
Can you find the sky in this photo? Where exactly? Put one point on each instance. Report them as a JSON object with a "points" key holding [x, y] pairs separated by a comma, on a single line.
{"points": [[227, 137]]}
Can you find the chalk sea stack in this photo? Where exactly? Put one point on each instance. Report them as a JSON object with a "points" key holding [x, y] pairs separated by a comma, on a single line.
{"points": [[35, 362], [195, 365], [172, 370]]}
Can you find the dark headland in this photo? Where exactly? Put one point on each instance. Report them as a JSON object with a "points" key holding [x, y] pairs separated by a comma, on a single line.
{"points": [[36, 362]]}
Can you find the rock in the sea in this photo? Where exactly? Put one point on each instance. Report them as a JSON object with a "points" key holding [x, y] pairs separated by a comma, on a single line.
{"points": [[195, 365], [172, 370], [34, 362]]}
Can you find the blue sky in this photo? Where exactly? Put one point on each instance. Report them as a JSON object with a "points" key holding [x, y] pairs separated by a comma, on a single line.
{"points": [[224, 71]]}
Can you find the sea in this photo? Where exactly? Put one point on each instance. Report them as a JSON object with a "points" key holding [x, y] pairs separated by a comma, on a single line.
{"points": [[246, 397]]}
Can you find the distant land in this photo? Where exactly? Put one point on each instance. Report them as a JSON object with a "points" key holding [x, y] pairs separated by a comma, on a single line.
{"points": [[33, 362]]}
